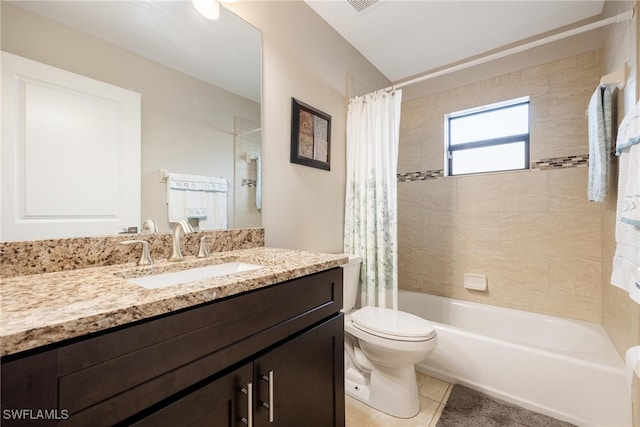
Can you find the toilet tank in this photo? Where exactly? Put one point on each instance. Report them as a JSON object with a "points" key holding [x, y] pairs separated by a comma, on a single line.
{"points": [[350, 282]]}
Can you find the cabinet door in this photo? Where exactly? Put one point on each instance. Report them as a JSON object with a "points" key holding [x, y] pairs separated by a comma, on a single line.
{"points": [[221, 403], [301, 382]]}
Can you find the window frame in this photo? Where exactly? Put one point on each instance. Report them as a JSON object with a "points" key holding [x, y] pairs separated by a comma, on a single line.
{"points": [[492, 142]]}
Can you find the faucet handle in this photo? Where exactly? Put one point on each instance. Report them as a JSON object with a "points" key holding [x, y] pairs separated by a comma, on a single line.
{"points": [[145, 256], [203, 252], [149, 226]]}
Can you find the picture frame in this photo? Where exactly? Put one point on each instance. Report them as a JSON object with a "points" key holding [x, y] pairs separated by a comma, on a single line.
{"points": [[310, 136]]}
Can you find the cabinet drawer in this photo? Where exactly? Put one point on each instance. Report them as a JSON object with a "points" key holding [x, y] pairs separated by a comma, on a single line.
{"points": [[136, 367], [299, 382]]}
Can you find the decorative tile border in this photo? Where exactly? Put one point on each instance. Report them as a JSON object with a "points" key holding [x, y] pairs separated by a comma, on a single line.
{"points": [[577, 161], [248, 182], [420, 176], [562, 162]]}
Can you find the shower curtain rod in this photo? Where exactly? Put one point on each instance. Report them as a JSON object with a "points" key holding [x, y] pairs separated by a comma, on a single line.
{"points": [[625, 16]]}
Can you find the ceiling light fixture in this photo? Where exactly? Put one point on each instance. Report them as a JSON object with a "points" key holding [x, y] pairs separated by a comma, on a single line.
{"points": [[210, 9]]}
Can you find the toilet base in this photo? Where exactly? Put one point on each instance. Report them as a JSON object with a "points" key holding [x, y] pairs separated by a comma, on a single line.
{"points": [[393, 391]]}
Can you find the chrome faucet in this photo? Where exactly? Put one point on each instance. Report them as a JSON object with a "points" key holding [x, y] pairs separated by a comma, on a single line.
{"points": [[182, 227]]}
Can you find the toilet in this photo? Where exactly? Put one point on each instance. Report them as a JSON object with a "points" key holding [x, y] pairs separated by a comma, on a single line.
{"points": [[381, 347]]}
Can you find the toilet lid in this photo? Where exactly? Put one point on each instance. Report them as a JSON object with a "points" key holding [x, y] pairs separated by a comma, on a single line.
{"points": [[389, 323]]}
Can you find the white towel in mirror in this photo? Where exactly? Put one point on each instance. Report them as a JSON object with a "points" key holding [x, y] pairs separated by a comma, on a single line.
{"points": [[195, 196]]}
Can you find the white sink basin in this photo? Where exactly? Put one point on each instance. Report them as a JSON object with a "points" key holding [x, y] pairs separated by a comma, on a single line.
{"points": [[184, 276]]}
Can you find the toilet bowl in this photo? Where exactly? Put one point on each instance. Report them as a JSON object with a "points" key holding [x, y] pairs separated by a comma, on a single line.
{"points": [[381, 347]]}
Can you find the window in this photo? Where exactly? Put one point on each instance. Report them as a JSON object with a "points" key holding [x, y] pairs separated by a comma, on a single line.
{"points": [[489, 138]]}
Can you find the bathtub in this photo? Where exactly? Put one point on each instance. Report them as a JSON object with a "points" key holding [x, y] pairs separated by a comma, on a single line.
{"points": [[563, 368]]}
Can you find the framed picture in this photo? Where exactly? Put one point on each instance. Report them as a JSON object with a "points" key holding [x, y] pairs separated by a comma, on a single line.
{"points": [[310, 136]]}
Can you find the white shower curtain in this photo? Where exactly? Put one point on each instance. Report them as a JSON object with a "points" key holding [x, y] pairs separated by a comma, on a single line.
{"points": [[373, 128]]}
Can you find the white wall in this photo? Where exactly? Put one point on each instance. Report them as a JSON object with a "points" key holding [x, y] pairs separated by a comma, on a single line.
{"points": [[304, 58]]}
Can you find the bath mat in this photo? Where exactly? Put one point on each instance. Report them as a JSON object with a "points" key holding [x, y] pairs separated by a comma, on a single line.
{"points": [[467, 407]]}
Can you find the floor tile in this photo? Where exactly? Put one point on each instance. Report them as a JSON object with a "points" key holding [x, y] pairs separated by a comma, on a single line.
{"points": [[433, 395], [359, 414], [443, 402], [431, 387]]}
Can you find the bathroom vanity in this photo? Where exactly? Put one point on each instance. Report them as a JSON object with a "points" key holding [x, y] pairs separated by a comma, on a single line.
{"points": [[262, 351]]}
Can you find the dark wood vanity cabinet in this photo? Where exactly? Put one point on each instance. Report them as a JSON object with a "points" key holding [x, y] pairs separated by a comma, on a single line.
{"points": [[269, 357], [291, 385]]}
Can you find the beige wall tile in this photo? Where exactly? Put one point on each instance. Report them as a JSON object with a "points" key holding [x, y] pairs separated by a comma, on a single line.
{"points": [[412, 129], [551, 233], [571, 103], [532, 233], [568, 191], [575, 284], [436, 270], [525, 232], [433, 153], [410, 157], [410, 207], [438, 194], [525, 191], [506, 272], [474, 232], [558, 138], [620, 317], [575, 233], [438, 230]]}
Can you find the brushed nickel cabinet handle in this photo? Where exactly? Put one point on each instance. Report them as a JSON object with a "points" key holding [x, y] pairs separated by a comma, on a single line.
{"points": [[249, 392], [269, 405]]}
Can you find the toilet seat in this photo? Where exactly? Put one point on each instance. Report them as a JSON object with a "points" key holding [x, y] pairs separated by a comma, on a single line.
{"points": [[392, 324]]}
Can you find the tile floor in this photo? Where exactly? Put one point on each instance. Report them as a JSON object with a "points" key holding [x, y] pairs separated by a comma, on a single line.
{"points": [[433, 396]]}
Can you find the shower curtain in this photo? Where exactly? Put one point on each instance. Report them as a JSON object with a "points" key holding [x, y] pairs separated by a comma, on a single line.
{"points": [[370, 230]]}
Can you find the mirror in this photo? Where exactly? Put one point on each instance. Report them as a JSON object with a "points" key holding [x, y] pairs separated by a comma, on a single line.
{"points": [[199, 80]]}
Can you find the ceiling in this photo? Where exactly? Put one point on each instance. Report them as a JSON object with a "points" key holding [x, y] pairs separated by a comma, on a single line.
{"points": [[404, 38], [225, 52]]}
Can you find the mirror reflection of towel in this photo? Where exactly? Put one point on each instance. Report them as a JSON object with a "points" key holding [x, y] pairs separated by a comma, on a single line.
{"points": [[216, 204], [197, 196]]}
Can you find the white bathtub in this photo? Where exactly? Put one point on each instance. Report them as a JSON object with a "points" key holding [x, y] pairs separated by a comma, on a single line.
{"points": [[564, 368]]}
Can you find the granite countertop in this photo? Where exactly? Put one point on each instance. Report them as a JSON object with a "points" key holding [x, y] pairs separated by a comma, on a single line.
{"points": [[41, 309]]}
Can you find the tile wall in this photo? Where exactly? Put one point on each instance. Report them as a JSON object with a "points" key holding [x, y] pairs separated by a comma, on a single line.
{"points": [[532, 233]]}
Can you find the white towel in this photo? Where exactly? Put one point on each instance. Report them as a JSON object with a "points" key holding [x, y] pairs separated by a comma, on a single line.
{"points": [[600, 122], [630, 185], [626, 262], [188, 196], [629, 151], [629, 130], [258, 182], [216, 219]]}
